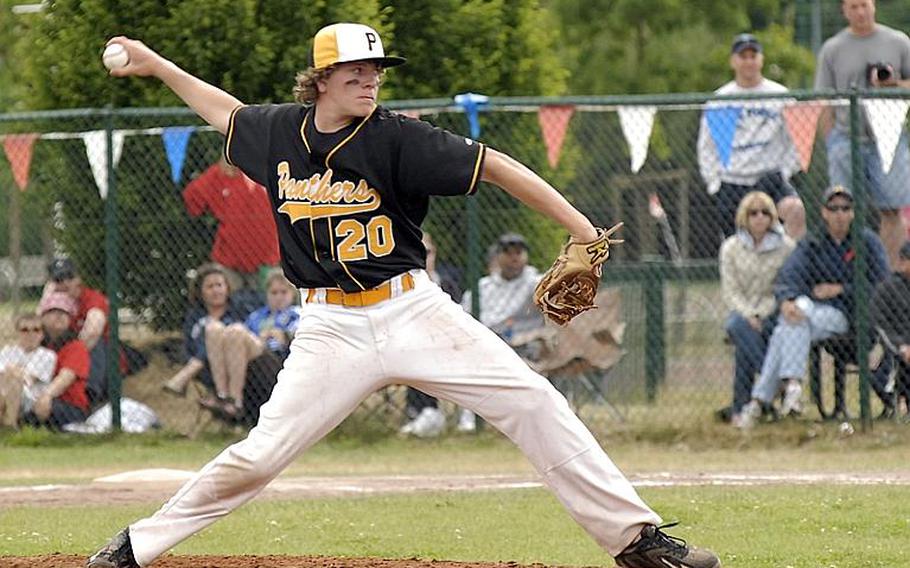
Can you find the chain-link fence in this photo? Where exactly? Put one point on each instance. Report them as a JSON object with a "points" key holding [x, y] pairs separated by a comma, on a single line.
{"points": [[140, 204]]}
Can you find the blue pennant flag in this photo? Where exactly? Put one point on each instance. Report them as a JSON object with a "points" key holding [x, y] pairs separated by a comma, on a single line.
{"points": [[470, 104], [175, 140], [722, 125]]}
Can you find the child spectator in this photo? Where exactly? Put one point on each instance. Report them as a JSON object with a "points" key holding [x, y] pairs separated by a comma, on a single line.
{"points": [[26, 368], [276, 322]]}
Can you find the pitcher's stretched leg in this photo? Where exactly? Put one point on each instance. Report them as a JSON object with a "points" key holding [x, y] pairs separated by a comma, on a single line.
{"points": [[448, 354], [307, 403]]}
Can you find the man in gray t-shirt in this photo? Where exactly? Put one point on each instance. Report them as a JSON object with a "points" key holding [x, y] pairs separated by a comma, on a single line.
{"points": [[844, 62]]}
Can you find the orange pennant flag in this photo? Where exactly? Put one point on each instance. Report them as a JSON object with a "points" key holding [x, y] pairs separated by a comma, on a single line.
{"points": [[18, 148], [554, 122], [802, 120]]}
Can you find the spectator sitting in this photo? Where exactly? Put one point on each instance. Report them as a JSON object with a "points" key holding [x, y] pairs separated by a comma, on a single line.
{"points": [[90, 323], [247, 239], [26, 368], [749, 262], [218, 346], [276, 322], [64, 400], [891, 316], [506, 299], [815, 291], [762, 157]]}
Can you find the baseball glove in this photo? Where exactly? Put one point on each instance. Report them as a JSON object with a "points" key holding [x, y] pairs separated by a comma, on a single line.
{"points": [[568, 288]]}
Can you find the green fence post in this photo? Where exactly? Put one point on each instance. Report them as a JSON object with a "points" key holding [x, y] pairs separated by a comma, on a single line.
{"points": [[860, 285], [469, 102], [111, 270], [655, 346]]}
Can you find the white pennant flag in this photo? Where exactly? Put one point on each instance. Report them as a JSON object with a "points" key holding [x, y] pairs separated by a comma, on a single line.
{"points": [[96, 151], [886, 117], [637, 123]]}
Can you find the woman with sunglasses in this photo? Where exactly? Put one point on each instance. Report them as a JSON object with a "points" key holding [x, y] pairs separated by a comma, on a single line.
{"points": [[749, 262], [26, 368]]}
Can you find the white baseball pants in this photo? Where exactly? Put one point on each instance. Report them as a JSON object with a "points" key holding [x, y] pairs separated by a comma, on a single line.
{"points": [[420, 338]]}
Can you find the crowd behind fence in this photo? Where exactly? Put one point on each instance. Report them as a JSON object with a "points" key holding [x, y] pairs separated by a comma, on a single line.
{"points": [[137, 200]]}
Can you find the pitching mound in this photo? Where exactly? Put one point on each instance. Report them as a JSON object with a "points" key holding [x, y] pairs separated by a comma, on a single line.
{"points": [[62, 561]]}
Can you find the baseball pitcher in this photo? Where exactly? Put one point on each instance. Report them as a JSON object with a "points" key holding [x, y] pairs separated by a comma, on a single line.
{"points": [[350, 183]]}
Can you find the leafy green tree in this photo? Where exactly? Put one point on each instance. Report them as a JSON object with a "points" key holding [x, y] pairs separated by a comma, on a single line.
{"points": [[662, 46], [498, 48]]}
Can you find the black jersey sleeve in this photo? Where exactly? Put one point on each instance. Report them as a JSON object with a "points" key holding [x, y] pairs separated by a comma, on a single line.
{"points": [[433, 161], [247, 141]]}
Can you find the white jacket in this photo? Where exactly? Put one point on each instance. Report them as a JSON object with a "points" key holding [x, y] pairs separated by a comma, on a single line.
{"points": [[761, 143]]}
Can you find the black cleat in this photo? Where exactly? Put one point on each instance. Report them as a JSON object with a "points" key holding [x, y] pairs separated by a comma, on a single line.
{"points": [[654, 549], [118, 553]]}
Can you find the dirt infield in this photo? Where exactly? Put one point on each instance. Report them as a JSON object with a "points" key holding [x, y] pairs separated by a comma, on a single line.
{"points": [[61, 561]]}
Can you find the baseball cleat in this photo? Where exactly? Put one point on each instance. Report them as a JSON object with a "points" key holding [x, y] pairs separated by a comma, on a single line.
{"points": [[654, 549], [118, 553]]}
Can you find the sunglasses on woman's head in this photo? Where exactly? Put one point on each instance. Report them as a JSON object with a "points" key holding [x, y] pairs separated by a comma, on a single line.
{"points": [[754, 212]]}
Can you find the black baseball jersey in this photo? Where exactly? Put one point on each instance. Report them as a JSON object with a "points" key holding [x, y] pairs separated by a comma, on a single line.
{"points": [[349, 204]]}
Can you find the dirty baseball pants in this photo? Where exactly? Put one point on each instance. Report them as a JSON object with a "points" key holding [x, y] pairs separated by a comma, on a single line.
{"points": [[341, 355]]}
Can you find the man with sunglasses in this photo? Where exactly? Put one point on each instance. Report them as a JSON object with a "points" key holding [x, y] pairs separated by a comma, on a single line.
{"points": [[815, 291], [26, 368]]}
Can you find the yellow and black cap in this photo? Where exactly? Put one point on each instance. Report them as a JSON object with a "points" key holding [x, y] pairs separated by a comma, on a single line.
{"points": [[343, 43]]}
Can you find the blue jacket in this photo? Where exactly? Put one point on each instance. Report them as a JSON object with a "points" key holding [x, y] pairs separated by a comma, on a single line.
{"points": [[818, 259]]}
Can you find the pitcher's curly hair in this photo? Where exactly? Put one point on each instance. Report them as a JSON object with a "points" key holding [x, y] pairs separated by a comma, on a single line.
{"points": [[306, 90]]}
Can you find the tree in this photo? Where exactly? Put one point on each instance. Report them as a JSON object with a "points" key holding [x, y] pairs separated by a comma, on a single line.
{"points": [[661, 46], [498, 48]]}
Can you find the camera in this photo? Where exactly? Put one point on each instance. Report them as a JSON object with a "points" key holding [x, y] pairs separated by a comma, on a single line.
{"points": [[881, 70]]}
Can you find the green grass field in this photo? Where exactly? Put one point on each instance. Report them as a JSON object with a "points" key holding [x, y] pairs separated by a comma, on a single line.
{"points": [[771, 527], [751, 527]]}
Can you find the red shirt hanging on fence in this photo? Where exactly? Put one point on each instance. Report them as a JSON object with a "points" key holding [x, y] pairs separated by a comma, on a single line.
{"points": [[246, 237]]}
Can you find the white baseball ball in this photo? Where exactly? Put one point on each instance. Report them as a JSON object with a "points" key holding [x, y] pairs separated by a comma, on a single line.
{"points": [[115, 56]]}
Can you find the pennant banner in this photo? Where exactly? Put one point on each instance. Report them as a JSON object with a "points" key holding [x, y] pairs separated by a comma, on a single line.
{"points": [[722, 123], [637, 122], [471, 103], [175, 141], [18, 148], [96, 151], [802, 121], [554, 123], [886, 117]]}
